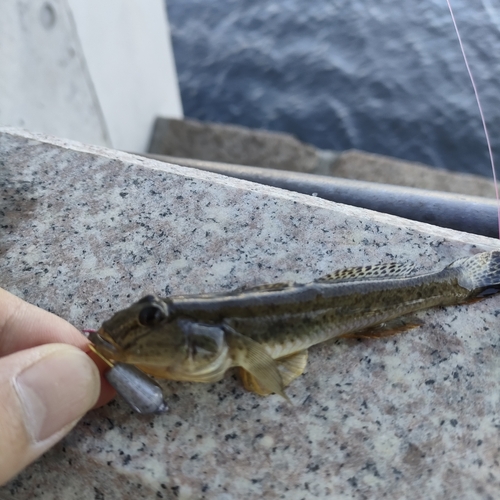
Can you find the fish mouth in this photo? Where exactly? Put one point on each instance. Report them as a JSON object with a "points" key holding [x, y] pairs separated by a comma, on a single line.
{"points": [[104, 342]]}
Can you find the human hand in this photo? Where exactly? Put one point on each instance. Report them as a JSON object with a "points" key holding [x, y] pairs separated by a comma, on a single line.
{"points": [[47, 382]]}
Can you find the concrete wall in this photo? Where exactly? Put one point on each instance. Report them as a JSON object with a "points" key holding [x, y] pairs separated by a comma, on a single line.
{"points": [[127, 47], [95, 71]]}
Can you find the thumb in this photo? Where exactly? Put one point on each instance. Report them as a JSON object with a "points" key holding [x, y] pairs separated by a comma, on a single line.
{"points": [[44, 391]]}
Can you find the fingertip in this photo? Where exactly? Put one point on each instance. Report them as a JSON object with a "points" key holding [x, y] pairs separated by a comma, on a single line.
{"points": [[23, 325], [44, 392], [56, 390]]}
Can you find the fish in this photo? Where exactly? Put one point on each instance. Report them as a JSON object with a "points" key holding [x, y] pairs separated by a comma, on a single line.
{"points": [[265, 331]]}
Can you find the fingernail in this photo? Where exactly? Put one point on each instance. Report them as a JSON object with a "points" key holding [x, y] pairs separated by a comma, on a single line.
{"points": [[57, 390]]}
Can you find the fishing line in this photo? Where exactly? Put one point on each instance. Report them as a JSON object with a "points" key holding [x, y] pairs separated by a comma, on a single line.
{"points": [[478, 101]]}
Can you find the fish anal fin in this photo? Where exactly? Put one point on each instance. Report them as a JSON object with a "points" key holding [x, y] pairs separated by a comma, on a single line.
{"points": [[482, 294], [472, 300], [375, 272], [387, 329], [262, 370], [292, 366]]}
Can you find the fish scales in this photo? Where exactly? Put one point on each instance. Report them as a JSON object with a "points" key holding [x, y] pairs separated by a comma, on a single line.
{"points": [[276, 316]]}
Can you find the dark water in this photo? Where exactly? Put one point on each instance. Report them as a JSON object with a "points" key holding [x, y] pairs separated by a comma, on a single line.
{"points": [[385, 76]]}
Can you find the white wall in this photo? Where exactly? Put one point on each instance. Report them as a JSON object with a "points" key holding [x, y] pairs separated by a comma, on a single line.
{"points": [[129, 55], [98, 71], [44, 82]]}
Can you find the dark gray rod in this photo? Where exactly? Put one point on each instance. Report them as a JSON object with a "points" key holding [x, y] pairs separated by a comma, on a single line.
{"points": [[471, 214]]}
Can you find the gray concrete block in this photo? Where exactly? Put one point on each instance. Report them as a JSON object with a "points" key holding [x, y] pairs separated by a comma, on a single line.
{"points": [[87, 230], [260, 148], [371, 167], [231, 144]]}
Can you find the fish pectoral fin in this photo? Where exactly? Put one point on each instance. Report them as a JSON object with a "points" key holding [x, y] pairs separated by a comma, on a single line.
{"points": [[387, 329], [251, 384], [289, 368], [292, 366], [259, 370]]}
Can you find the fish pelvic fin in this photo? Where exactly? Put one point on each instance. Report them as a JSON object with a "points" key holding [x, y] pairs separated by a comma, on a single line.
{"points": [[259, 370], [387, 329], [480, 274], [376, 272]]}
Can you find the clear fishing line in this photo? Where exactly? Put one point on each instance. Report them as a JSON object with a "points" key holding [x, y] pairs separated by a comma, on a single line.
{"points": [[478, 101]]}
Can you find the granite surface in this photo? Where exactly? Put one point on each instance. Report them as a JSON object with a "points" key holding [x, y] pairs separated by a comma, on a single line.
{"points": [[85, 231]]}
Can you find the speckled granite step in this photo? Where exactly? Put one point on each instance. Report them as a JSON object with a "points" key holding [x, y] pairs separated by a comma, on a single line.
{"points": [[86, 230]]}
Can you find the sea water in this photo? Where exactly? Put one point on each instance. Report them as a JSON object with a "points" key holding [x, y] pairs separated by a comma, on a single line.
{"points": [[385, 76]]}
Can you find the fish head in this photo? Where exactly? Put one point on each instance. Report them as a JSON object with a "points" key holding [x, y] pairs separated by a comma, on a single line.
{"points": [[151, 336]]}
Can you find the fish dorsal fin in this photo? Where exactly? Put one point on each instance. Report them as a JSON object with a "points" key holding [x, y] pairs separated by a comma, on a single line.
{"points": [[375, 272], [253, 358]]}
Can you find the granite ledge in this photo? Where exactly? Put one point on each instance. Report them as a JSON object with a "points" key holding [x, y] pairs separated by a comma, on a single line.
{"points": [[86, 230]]}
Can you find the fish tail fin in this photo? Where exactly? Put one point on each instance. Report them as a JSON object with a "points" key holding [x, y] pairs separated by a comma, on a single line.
{"points": [[480, 274]]}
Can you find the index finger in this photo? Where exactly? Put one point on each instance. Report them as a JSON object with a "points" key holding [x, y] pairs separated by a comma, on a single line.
{"points": [[23, 325]]}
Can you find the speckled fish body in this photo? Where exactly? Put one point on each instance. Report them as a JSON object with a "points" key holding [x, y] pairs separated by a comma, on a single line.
{"points": [[267, 330]]}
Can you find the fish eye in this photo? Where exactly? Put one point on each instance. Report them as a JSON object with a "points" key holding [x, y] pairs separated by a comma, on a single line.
{"points": [[151, 316]]}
